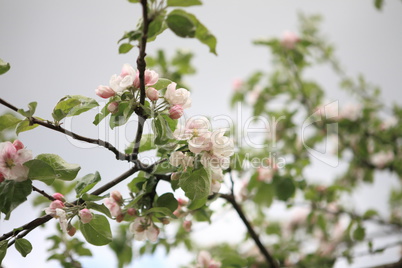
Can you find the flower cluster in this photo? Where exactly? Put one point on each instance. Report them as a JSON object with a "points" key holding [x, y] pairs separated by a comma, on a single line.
{"points": [[175, 100], [211, 148], [144, 228], [12, 159], [58, 209]]}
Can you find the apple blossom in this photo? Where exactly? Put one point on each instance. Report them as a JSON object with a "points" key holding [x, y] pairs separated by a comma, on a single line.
{"points": [[18, 145], [350, 112], [59, 196], [187, 225], [113, 107], [200, 143], [105, 92], [127, 70], [113, 206], [265, 174], [289, 40], [178, 96], [150, 78], [176, 112], [205, 260], [56, 204], [12, 160], [62, 216], [194, 127], [152, 94], [85, 215], [143, 228], [237, 84], [381, 159], [116, 195]]}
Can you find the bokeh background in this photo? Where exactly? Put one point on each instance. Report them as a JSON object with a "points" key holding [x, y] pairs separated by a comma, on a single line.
{"points": [[58, 48]]}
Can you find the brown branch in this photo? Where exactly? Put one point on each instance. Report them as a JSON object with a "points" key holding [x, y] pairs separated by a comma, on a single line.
{"points": [[141, 65], [231, 199], [107, 145], [51, 198]]}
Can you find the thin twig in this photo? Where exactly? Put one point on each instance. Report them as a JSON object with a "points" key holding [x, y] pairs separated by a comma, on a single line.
{"points": [[107, 145], [231, 199], [141, 65], [51, 198]]}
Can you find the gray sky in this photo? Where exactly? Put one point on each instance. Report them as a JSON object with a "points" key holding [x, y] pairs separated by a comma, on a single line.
{"points": [[70, 47]]}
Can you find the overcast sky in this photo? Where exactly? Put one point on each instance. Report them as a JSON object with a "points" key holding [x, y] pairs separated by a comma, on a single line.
{"points": [[70, 47]]}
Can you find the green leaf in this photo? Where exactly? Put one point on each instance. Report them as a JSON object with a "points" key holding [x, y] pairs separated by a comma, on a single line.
{"points": [[63, 170], [162, 210], [180, 23], [72, 105], [122, 115], [100, 116], [359, 233], [146, 144], [136, 184], [3, 249], [97, 231], [24, 125], [162, 83], [4, 67], [31, 109], [285, 188], [167, 200], [156, 27], [183, 3], [370, 213], [196, 185], [40, 170], [134, 1], [378, 4], [86, 183], [8, 121], [125, 48], [101, 208], [12, 194], [161, 130], [23, 246]]}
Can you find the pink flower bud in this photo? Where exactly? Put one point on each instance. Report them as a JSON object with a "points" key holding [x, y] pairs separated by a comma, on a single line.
{"points": [[85, 215], [176, 112], [18, 145], [150, 78], [116, 195], [120, 218], [105, 92], [175, 176], [71, 230], [56, 204], [113, 107], [289, 40], [182, 202], [152, 94], [187, 225], [132, 212], [59, 196]]}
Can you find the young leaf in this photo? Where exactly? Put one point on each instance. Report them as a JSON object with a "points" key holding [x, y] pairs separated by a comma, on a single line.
{"points": [[196, 184], [379, 4], [285, 188], [4, 67], [72, 105], [162, 83], [40, 170], [97, 231], [359, 233], [23, 246], [86, 183], [146, 144], [12, 194], [156, 27], [100, 116], [168, 201], [180, 23], [63, 170], [3, 249], [24, 125], [8, 121], [101, 208], [183, 3], [31, 109], [162, 210], [125, 48]]}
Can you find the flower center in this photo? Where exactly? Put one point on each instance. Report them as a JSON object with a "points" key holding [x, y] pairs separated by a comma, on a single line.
{"points": [[9, 163]]}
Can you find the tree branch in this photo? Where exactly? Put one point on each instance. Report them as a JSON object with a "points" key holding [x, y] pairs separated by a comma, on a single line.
{"points": [[51, 198], [107, 145], [231, 199], [141, 65]]}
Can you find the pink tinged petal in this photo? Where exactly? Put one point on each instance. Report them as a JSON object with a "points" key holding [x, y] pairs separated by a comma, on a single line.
{"points": [[58, 196], [113, 107], [126, 81], [18, 145], [176, 158], [176, 112], [152, 233], [113, 207], [151, 77], [152, 94], [85, 215], [61, 214], [105, 92], [116, 195], [23, 156], [18, 173], [204, 258], [127, 69]]}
